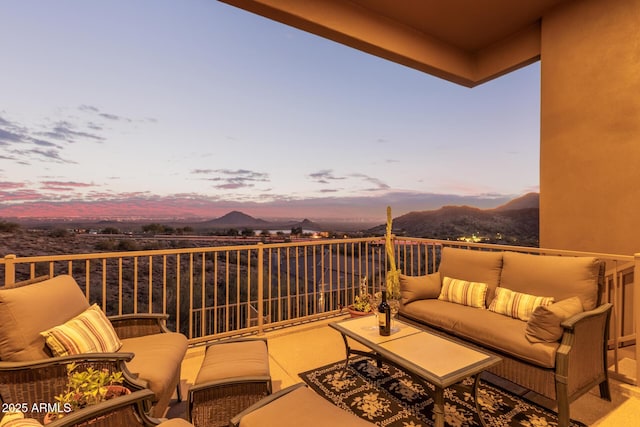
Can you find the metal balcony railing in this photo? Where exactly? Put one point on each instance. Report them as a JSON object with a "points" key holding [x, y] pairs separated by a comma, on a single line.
{"points": [[215, 292]]}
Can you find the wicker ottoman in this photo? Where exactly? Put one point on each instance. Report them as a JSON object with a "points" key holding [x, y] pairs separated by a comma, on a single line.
{"points": [[233, 376]]}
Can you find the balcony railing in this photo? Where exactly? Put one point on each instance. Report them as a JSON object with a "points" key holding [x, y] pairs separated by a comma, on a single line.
{"points": [[215, 292]]}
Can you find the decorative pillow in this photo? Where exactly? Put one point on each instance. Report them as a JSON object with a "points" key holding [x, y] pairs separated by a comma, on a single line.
{"points": [[544, 324], [413, 288], [17, 419], [463, 292], [516, 304], [88, 332]]}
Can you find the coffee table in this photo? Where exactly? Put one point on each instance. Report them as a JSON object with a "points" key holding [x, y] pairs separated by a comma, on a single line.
{"points": [[438, 360]]}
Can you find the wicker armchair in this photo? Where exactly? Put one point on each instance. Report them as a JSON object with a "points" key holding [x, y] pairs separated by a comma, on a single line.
{"points": [[126, 410], [150, 356]]}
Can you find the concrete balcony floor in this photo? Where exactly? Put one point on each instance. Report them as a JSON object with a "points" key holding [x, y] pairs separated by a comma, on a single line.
{"points": [[305, 347]]}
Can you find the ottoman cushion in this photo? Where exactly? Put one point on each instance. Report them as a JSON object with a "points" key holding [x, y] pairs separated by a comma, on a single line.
{"points": [[233, 360]]}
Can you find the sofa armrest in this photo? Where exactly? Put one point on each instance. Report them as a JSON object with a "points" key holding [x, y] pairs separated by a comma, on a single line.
{"points": [[137, 325], [41, 380], [581, 359]]}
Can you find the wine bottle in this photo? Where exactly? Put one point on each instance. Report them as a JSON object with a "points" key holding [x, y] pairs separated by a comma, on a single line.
{"points": [[384, 315]]}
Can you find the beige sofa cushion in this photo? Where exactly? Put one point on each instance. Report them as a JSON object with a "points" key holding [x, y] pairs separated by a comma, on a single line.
{"points": [[472, 266], [485, 328], [46, 304], [544, 324], [554, 276], [301, 407], [413, 288]]}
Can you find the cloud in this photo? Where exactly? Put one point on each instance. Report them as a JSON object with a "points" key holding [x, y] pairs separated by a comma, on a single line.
{"points": [[4, 185], [19, 137], [20, 195], [325, 176], [228, 179], [7, 137], [63, 185], [377, 184], [63, 130], [109, 116], [48, 155]]}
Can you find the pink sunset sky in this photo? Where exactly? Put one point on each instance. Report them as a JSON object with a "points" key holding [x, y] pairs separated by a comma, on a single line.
{"points": [[164, 109]]}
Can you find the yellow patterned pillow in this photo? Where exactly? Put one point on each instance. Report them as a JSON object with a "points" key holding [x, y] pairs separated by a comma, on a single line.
{"points": [[88, 332], [516, 304], [463, 292]]}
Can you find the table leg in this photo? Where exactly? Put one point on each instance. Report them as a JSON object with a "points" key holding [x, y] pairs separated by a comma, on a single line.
{"points": [[438, 408], [348, 351], [476, 383]]}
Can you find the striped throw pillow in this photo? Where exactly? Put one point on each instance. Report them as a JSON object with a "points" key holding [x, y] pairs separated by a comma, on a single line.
{"points": [[88, 332], [463, 292], [516, 304], [25, 422], [17, 419]]}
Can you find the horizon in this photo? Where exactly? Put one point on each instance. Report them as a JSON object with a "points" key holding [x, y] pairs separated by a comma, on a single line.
{"points": [[274, 221], [232, 111]]}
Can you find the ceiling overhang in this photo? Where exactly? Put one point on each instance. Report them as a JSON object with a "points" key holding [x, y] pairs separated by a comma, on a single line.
{"points": [[464, 41]]}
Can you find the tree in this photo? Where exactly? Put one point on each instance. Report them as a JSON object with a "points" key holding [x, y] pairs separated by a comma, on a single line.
{"points": [[8, 227]]}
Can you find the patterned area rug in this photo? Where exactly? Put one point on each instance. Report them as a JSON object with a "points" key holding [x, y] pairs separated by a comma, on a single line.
{"points": [[389, 397]]}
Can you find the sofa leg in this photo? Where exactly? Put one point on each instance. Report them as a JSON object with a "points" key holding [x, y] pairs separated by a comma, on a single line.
{"points": [[563, 403], [605, 391], [563, 414], [178, 392]]}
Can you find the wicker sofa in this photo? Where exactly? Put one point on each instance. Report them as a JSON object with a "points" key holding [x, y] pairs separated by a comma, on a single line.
{"points": [[559, 351], [150, 356]]}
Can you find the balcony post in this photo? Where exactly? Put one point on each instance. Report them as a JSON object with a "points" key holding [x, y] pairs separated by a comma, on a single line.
{"points": [[260, 288], [636, 310], [9, 270]]}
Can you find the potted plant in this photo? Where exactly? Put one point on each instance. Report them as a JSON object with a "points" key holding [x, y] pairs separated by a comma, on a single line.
{"points": [[362, 303], [85, 388], [361, 306]]}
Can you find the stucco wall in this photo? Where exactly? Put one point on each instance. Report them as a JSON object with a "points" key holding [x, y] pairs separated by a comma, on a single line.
{"points": [[590, 127]]}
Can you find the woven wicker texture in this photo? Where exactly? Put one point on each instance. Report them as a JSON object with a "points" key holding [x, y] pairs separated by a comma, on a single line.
{"points": [[215, 406]]}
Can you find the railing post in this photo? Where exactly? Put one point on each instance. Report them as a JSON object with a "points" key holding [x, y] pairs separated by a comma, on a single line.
{"points": [[636, 310], [9, 270], [260, 288]]}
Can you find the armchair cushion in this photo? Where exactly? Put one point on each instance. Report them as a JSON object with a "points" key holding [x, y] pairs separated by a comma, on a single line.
{"points": [[157, 360], [89, 332], [45, 304]]}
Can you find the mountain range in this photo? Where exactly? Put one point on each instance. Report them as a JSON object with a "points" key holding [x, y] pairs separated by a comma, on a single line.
{"points": [[236, 219], [516, 222]]}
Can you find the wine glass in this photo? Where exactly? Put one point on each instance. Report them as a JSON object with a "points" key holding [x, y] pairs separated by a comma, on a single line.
{"points": [[374, 302]]}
